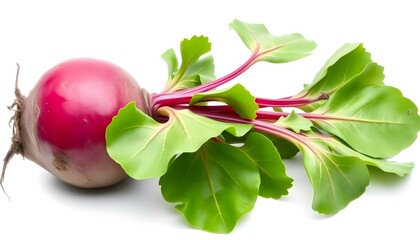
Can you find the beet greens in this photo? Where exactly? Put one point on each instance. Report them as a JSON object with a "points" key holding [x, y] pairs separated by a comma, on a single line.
{"points": [[216, 150]]}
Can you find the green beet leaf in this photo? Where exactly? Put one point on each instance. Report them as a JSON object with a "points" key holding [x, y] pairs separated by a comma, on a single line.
{"points": [[271, 48], [286, 149], [375, 120], [226, 137], [236, 97], [343, 68], [144, 147], [294, 122], [194, 70], [203, 70], [398, 168], [213, 187], [336, 180], [172, 61], [274, 180]]}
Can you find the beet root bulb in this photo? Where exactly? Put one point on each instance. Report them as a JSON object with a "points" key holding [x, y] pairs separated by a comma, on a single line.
{"points": [[61, 124]]}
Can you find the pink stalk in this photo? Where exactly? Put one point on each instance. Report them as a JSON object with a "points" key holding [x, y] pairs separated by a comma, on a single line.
{"points": [[184, 96], [289, 102]]}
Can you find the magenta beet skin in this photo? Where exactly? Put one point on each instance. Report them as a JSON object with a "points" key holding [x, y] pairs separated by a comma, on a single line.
{"points": [[65, 117]]}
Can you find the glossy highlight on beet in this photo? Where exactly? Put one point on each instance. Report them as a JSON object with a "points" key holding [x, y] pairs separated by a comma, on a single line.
{"points": [[76, 94]]}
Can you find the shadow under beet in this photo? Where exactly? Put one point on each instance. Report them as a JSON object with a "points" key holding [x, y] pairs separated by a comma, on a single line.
{"points": [[129, 197]]}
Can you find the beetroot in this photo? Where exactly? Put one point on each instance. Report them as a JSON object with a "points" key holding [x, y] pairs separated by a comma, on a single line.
{"points": [[215, 149], [61, 124]]}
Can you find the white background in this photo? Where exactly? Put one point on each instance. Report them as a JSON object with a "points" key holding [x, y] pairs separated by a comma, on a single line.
{"points": [[133, 34]]}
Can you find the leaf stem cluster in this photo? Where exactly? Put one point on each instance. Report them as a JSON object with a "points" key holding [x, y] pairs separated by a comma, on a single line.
{"points": [[345, 120]]}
